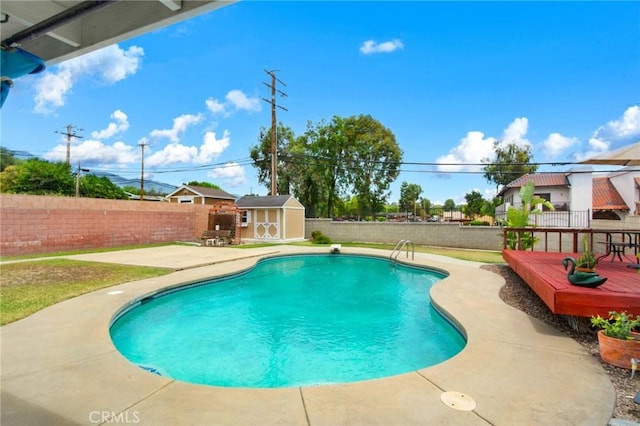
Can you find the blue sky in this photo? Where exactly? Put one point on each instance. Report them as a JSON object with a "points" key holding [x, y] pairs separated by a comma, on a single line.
{"points": [[448, 79]]}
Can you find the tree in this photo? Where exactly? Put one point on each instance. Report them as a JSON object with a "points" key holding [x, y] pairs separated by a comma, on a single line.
{"points": [[92, 186], [449, 205], [7, 158], [203, 184], [425, 203], [39, 177], [347, 156], [511, 162], [375, 160], [409, 193], [474, 204]]}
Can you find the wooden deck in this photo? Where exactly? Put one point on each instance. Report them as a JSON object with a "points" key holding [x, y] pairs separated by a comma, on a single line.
{"points": [[544, 273]]}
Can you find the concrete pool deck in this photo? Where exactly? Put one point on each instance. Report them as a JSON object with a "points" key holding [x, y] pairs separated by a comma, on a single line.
{"points": [[60, 367]]}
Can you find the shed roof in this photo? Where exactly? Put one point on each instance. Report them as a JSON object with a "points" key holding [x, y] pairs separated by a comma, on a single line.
{"points": [[606, 196], [253, 201]]}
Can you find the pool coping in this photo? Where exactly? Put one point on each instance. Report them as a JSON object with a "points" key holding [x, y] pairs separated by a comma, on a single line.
{"points": [[59, 365]]}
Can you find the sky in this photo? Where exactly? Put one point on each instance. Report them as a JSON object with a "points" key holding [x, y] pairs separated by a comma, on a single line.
{"points": [[447, 78]]}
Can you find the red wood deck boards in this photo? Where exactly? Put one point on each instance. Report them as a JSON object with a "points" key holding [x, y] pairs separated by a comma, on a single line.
{"points": [[544, 273]]}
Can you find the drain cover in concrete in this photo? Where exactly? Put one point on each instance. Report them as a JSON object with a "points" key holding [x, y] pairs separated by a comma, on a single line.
{"points": [[458, 401]]}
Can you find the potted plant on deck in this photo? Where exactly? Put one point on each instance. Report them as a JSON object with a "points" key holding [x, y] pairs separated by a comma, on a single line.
{"points": [[618, 341]]}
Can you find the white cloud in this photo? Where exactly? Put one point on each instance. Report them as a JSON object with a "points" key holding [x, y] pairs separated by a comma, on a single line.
{"points": [[240, 101], [628, 126], [180, 125], [556, 144], [625, 129], [515, 133], [235, 101], [173, 153], [475, 147], [471, 149], [212, 148], [176, 152], [93, 152], [120, 125], [232, 174], [110, 64], [370, 47], [215, 106]]}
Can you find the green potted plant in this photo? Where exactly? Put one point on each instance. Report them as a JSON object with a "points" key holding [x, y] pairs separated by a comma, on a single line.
{"points": [[618, 341], [586, 262]]}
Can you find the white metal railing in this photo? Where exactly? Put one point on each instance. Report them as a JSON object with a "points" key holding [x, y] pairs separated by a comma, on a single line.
{"points": [[398, 249]]}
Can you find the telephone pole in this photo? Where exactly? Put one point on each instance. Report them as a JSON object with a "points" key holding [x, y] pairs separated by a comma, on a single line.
{"points": [[142, 144], [274, 105], [70, 133]]}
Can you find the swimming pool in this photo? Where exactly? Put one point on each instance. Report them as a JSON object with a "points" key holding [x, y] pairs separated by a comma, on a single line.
{"points": [[291, 321]]}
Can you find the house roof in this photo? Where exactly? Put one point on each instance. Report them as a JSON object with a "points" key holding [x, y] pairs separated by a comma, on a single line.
{"points": [[538, 179], [606, 196], [206, 192], [252, 201]]}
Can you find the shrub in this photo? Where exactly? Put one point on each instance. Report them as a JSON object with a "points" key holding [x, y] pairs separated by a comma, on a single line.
{"points": [[317, 237], [479, 223]]}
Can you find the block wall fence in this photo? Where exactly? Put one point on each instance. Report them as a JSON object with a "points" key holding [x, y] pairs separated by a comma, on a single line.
{"points": [[441, 234], [32, 224]]}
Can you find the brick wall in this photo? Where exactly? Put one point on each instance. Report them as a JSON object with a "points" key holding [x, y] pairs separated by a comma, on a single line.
{"points": [[31, 224]]}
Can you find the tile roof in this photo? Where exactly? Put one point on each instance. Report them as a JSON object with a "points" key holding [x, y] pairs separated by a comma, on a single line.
{"points": [[538, 179], [606, 196]]}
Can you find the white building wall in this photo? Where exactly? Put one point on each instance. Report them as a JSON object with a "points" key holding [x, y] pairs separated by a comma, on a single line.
{"points": [[626, 186], [581, 181]]}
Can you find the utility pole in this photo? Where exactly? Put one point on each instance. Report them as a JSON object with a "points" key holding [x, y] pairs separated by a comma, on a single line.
{"points": [[70, 133], [274, 145], [78, 179], [142, 144]]}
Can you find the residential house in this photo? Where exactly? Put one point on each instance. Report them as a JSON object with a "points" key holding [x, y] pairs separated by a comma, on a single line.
{"points": [[578, 196], [193, 194]]}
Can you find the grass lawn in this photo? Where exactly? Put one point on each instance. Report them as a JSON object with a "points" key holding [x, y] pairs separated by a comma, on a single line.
{"points": [[27, 287]]}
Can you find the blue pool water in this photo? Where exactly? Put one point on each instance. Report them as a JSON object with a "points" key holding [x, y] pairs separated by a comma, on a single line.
{"points": [[292, 321]]}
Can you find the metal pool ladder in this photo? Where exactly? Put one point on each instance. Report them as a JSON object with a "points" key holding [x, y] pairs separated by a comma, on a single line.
{"points": [[403, 244]]}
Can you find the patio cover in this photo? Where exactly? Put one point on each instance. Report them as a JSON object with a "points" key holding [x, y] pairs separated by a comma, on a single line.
{"points": [[626, 156]]}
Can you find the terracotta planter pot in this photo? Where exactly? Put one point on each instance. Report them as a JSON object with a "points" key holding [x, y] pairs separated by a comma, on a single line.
{"points": [[619, 352]]}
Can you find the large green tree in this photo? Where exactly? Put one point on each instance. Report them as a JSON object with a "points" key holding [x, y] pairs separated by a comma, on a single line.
{"points": [[35, 176], [409, 193], [354, 156], [375, 161], [92, 186], [511, 162], [449, 205], [475, 202]]}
